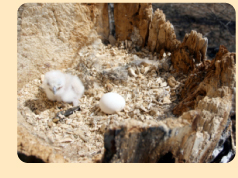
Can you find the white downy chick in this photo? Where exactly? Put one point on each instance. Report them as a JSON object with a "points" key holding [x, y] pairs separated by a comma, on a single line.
{"points": [[63, 87]]}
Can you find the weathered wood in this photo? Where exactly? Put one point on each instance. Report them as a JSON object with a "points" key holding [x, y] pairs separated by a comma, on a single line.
{"points": [[203, 119]]}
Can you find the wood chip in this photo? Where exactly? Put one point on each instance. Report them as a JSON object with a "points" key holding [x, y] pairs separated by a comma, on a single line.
{"points": [[101, 70]]}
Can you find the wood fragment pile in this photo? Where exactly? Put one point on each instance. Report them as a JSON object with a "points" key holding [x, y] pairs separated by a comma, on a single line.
{"points": [[147, 86]]}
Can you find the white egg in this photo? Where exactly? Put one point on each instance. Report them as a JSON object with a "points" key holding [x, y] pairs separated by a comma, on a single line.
{"points": [[111, 103]]}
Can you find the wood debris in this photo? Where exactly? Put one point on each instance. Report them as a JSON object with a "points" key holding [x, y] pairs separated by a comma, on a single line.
{"points": [[147, 95]]}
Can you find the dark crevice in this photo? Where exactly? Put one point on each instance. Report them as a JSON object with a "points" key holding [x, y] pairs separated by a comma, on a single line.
{"points": [[167, 158], [227, 148], [29, 159], [109, 145], [111, 19], [147, 34]]}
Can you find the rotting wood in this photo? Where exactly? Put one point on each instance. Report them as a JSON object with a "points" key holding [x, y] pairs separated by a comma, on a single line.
{"points": [[161, 69]]}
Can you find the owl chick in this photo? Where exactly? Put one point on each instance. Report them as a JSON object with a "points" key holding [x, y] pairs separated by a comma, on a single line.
{"points": [[63, 87]]}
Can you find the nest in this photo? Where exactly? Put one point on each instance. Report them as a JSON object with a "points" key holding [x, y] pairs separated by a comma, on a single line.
{"points": [[147, 84]]}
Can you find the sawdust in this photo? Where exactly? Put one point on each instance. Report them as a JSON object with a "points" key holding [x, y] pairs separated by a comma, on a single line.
{"points": [[148, 85]]}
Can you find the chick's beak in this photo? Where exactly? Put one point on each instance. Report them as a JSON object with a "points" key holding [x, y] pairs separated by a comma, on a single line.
{"points": [[54, 90]]}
